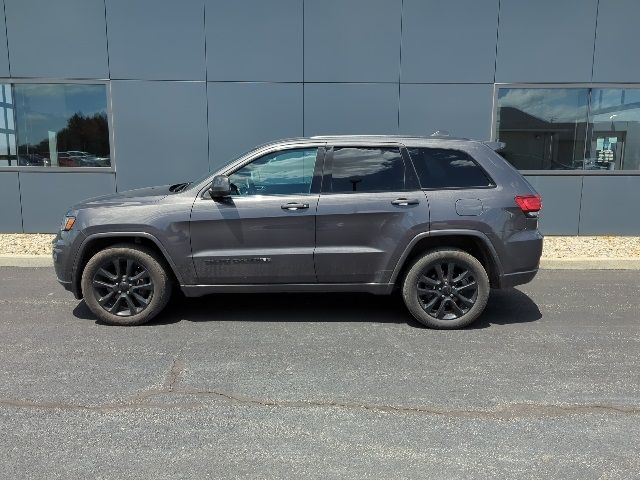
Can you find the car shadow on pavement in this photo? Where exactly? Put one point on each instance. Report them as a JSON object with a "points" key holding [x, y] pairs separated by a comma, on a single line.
{"points": [[504, 307]]}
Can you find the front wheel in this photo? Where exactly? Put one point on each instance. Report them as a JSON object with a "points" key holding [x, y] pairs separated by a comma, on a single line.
{"points": [[125, 285], [446, 288]]}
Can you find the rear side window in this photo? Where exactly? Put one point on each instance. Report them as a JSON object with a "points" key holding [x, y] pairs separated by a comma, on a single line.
{"points": [[445, 168], [364, 169]]}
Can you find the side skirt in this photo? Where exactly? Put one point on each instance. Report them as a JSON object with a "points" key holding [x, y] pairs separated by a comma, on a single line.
{"points": [[375, 288]]}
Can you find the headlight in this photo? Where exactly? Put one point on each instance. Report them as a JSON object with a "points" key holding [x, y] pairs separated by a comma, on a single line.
{"points": [[67, 223]]}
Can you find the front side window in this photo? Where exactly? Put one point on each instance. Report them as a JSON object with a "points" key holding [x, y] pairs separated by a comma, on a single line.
{"points": [[54, 125], [287, 172], [361, 169], [445, 168]]}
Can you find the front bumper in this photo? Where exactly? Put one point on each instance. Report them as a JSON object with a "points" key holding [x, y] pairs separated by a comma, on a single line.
{"points": [[65, 246]]}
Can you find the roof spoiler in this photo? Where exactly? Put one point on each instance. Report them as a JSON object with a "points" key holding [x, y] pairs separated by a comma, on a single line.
{"points": [[495, 146]]}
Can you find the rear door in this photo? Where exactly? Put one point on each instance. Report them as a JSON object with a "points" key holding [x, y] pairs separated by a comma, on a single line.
{"points": [[370, 207]]}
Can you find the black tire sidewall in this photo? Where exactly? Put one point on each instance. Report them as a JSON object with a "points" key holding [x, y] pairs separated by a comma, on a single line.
{"points": [[410, 288], [161, 282]]}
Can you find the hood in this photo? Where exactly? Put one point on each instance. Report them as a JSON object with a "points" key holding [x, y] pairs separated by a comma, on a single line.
{"points": [[141, 196]]}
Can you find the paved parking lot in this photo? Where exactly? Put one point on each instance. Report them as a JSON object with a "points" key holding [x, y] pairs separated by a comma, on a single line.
{"points": [[546, 385]]}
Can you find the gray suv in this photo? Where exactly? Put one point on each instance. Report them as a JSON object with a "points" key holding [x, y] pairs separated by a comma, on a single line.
{"points": [[440, 219]]}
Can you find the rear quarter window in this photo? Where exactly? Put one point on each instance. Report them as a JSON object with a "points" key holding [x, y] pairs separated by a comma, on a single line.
{"points": [[439, 168]]}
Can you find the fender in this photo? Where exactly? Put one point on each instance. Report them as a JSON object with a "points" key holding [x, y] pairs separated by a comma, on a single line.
{"points": [[440, 233], [146, 235]]}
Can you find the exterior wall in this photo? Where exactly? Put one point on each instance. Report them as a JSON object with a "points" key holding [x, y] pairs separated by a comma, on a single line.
{"points": [[196, 82]]}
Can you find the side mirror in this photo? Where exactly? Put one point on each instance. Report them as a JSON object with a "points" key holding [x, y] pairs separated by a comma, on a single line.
{"points": [[220, 187]]}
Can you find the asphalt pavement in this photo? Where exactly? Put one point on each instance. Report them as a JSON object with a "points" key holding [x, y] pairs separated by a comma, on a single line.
{"points": [[545, 385]]}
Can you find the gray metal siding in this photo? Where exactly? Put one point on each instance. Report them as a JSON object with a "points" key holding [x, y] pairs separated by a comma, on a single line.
{"points": [[452, 41], [243, 115], [617, 46], [160, 132], [39, 214], [610, 206], [254, 40], [560, 203], [463, 110], [546, 40], [57, 39], [4, 52], [291, 67], [353, 41], [10, 219], [154, 40], [350, 108]]}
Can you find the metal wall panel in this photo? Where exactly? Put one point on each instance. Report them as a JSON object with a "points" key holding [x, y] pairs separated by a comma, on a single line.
{"points": [[560, 203], [546, 40], [160, 132], [156, 40], [244, 115], [331, 108], [42, 215], [610, 206], [57, 39], [10, 218], [617, 46], [352, 40], [462, 110], [254, 40], [4, 53], [453, 41]]}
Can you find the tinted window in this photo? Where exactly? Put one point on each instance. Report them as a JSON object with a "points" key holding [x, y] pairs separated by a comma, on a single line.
{"points": [[367, 170], [444, 168], [278, 173]]}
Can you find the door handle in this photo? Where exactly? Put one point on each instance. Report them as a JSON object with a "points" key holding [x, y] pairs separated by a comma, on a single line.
{"points": [[294, 206], [405, 201]]}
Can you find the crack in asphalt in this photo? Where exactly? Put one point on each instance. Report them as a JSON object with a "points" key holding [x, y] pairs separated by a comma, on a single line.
{"points": [[172, 378]]}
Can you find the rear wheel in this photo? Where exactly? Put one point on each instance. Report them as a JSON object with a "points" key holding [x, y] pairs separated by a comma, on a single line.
{"points": [[446, 288], [125, 285]]}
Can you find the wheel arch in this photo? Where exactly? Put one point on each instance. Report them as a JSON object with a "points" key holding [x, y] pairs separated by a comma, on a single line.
{"points": [[473, 242], [99, 241]]}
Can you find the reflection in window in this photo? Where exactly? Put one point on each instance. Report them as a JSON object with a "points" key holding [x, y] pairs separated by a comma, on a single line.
{"points": [[287, 172], [570, 128], [367, 170], [543, 128], [445, 168], [614, 133], [54, 125]]}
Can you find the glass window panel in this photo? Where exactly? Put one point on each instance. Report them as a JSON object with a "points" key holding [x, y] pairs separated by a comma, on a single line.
{"points": [[367, 170], [287, 172], [8, 98], [614, 133], [70, 119], [3, 123], [10, 113], [444, 168], [543, 128]]}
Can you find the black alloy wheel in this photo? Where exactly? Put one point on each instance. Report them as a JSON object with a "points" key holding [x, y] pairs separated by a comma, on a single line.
{"points": [[447, 290], [123, 286]]}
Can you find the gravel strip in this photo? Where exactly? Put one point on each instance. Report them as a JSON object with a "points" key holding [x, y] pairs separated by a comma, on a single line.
{"points": [[554, 247]]}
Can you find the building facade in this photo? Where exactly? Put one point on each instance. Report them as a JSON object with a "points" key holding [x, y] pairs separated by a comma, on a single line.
{"points": [[100, 96]]}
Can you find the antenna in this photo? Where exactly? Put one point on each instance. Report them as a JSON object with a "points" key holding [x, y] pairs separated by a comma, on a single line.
{"points": [[440, 133]]}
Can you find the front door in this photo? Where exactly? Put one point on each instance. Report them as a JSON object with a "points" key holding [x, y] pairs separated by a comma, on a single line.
{"points": [[370, 207], [265, 231]]}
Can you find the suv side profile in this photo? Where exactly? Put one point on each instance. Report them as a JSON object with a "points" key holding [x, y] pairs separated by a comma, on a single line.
{"points": [[443, 220]]}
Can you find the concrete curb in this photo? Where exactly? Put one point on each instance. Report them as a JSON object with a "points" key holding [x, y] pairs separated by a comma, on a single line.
{"points": [[631, 263], [594, 263], [26, 261]]}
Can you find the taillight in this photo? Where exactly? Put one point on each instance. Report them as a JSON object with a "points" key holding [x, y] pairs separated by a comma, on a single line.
{"points": [[529, 203]]}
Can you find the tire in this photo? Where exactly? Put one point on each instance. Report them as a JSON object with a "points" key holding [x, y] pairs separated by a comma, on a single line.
{"points": [[146, 279], [425, 289]]}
